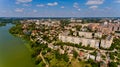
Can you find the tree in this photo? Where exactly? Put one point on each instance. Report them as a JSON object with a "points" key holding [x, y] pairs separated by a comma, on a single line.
{"points": [[112, 56], [94, 53], [71, 32], [112, 64], [65, 57], [104, 36], [93, 63], [16, 30], [38, 60], [64, 22], [75, 54], [78, 27], [57, 55], [2, 24]]}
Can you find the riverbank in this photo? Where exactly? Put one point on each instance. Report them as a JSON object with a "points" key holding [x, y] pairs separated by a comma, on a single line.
{"points": [[16, 32], [2, 24], [13, 52]]}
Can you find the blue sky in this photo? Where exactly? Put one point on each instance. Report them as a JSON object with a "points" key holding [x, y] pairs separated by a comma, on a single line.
{"points": [[59, 8]]}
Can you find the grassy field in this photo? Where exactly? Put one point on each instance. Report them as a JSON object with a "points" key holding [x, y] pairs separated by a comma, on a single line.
{"points": [[76, 63]]}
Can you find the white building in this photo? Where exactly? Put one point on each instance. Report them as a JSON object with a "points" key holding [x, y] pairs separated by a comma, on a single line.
{"points": [[76, 40], [87, 40], [107, 42], [89, 34], [85, 34]]}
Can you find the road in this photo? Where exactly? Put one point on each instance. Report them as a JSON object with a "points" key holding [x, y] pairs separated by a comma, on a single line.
{"points": [[47, 65]]}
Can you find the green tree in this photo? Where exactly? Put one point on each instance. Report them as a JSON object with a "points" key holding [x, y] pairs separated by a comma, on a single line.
{"points": [[75, 54], [112, 64]]}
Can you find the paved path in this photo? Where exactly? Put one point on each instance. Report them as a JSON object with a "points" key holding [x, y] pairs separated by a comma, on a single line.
{"points": [[47, 65]]}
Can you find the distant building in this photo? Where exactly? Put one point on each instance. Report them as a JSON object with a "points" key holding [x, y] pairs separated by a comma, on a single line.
{"points": [[105, 27], [87, 40]]}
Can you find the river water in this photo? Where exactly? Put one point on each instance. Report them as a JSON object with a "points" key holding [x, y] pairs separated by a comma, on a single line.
{"points": [[13, 52]]}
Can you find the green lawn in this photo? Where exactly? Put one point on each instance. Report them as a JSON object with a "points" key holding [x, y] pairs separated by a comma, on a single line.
{"points": [[76, 63]]}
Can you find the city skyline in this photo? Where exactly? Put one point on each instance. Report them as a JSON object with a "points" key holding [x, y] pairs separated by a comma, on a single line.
{"points": [[59, 8]]}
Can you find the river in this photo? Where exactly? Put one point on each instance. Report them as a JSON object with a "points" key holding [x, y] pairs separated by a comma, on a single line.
{"points": [[13, 52]]}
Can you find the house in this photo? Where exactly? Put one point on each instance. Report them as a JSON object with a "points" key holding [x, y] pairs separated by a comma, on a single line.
{"points": [[91, 57]]}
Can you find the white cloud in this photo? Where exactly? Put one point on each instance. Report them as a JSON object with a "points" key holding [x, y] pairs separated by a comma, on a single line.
{"points": [[52, 4], [23, 1], [34, 11], [117, 1], [62, 7], [40, 5], [93, 7], [19, 9], [108, 8], [76, 5], [17, 3], [79, 9], [27, 5], [94, 2]]}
